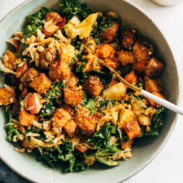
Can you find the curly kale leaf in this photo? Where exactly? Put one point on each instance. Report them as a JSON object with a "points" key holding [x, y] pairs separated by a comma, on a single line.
{"points": [[73, 160], [71, 8], [35, 19], [88, 103], [101, 140], [11, 131]]}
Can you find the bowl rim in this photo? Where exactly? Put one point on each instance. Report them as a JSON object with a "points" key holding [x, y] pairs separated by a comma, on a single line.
{"points": [[178, 98]]}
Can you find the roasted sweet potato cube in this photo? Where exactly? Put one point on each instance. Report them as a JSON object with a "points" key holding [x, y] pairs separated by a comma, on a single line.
{"points": [[132, 129], [105, 51], [68, 108], [153, 103], [25, 118], [29, 76], [21, 70], [61, 117], [41, 83], [153, 68], [8, 59], [131, 78], [110, 32], [126, 57], [111, 63], [82, 148], [50, 30], [139, 67], [59, 71], [127, 38], [127, 144], [93, 86], [7, 95], [70, 128], [152, 85], [72, 82], [53, 16], [142, 50], [85, 121], [73, 97], [27, 145]]}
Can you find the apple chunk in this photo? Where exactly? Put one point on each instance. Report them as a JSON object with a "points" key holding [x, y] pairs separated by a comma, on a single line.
{"points": [[115, 92], [34, 103]]}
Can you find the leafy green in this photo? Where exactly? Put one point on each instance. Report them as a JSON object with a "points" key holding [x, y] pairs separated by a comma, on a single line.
{"points": [[71, 8], [104, 103], [102, 24], [35, 19], [65, 153], [11, 131], [89, 103], [31, 30], [53, 95], [77, 43], [101, 140]]}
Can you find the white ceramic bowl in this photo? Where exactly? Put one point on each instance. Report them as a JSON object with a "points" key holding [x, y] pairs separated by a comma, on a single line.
{"points": [[144, 150]]}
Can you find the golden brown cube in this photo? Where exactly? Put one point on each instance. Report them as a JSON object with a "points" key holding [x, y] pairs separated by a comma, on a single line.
{"points": [[85, 121], [127, 38], [111, 63], [61, 117], [142, 51], [41, 83], [132, 129], [8, 59], [110, 32], [105, 51], [131, 78], [73, 97], [68, 108], [7, 95], [126, 57], [59, 71], [70, 128], [29, 76], [139, 67], [153, 68], [93, 86], [152, 85], [72, 82]]}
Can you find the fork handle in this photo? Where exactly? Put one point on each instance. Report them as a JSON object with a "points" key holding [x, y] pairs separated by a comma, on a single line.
{"points": [[163, 102]]}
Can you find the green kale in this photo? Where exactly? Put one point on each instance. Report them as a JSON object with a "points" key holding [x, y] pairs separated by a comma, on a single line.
{"points": [[77, 43], [11, 131], [101, 140], [35, 19], [53, 95], [102, 24], [71, 8], [31, 30], [104, 103], [88, 103], [140, 83]]}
